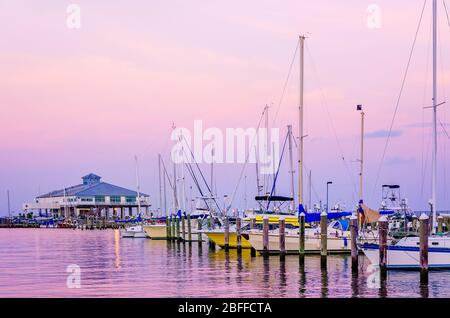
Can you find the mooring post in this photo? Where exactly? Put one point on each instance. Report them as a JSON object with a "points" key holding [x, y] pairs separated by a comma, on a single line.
{"points": [[178, 228], [382, 233], [238, 235], [282, 237], [168, 227], [424, 234], [226, 234], [199, 232], [353, 241], [265, 237], [301, 231], [174, 228], [252, 227], [440, 221], [323, 239], [209, 223], [183, 229], [189, 226]]}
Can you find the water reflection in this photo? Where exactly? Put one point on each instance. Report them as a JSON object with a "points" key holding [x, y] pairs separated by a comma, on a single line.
{"points": [[302, 277], [382, 291], [324, 281], [424, 289], [34, 263], [355, 284]]}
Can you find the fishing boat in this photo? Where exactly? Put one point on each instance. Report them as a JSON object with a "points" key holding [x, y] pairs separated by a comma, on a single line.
{"points": [[405, 253]]}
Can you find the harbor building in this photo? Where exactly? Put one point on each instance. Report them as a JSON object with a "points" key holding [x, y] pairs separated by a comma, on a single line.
{"points": [[91, 197]]}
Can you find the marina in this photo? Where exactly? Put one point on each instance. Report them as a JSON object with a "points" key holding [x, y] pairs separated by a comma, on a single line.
{"points": [[266, 195]]}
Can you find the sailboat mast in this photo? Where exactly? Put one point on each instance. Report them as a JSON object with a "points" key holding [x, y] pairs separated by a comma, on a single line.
{"points": [[137, 185], [9, 204], [175, 195], [291, 168], [160, 184], [258, 187], [361, 171], [300, 122], [434, 155]]}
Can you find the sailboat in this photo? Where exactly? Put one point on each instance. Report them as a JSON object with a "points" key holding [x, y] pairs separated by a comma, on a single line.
{"points": [[405, 253], [135, 231], [338, 230]]}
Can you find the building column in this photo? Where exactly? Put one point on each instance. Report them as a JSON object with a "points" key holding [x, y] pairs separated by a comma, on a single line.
{"points": [[121, 212], [130, 211]]}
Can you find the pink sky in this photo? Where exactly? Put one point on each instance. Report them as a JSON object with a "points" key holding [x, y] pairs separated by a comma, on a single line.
{"points": [[87, 100]]}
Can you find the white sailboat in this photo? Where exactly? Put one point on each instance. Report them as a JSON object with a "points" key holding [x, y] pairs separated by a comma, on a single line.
{"points": [[405, 254], [135, 231]]}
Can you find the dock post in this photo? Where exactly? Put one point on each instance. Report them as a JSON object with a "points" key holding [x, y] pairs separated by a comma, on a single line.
{"points": [[183, 228], [238, 235], [209, 222], [252, 227], [174, 233], [323, 239], [282, 237], [440, 221], [301, 237], [226, 234], [177, 233], [199, 233], [382, 233], [423, 232], [265, 237], [167, 227], [354, 240], [189, 226]]}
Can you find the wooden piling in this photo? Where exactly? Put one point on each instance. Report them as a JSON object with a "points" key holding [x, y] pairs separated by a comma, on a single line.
{"points": [[252, 224], [210, 223], [189, 228], [252, 227], [199, 233], [168, 227], [353, 241], [178, 233], [423, 239], [302, 235], [382, 233], [174, 228], [183, 228], [323, 239], [282, 238], [238, 235], [440, 221], [265, 237], [226, 234]]}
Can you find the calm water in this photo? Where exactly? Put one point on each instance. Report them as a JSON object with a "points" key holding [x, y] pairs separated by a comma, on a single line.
{"points": [[33, 263]]}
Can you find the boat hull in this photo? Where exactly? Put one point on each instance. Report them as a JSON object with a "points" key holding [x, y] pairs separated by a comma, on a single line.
{"points": [[292, 244], [219, 239], [407, 257], [156, 232]]}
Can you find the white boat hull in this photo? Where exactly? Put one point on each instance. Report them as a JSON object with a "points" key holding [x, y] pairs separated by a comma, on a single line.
{"points": [[337, 244], [405, 254], [133, 232]]}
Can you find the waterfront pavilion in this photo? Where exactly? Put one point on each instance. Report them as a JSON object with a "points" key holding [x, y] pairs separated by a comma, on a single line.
{"points": [[92, 197]]}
